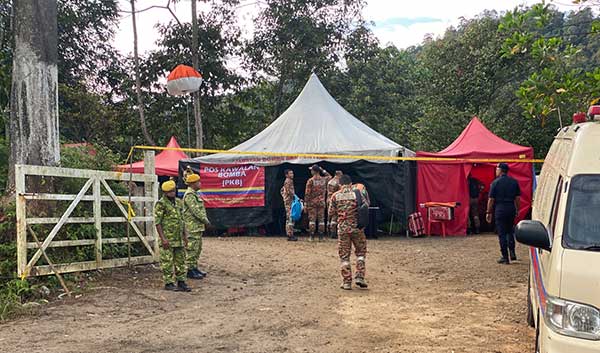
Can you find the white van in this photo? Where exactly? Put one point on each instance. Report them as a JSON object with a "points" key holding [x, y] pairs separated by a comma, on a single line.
{"points": [[564, 235]]}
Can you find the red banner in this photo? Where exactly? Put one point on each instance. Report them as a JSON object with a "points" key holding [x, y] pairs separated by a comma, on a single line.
{"points": [[227, 185]]}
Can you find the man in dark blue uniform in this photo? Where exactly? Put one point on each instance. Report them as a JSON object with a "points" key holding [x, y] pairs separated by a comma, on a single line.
{"points": [[504, 204]]}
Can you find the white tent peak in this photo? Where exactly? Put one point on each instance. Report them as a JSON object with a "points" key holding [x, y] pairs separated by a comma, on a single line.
{"points": [[314, 123]]}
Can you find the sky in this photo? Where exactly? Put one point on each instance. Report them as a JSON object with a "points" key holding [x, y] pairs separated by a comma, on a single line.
{"points": [[403, 23]]}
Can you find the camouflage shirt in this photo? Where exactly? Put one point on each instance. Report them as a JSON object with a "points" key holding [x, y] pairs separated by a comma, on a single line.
{"points": [[167, 214], [287, 191], [316, 189], [194, 212], [343, 209]]}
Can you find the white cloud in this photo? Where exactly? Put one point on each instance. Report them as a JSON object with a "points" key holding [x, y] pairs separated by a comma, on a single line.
{"points": [[447, 13]]}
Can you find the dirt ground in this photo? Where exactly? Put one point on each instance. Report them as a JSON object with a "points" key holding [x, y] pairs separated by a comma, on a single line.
{"points": [[269, 295]]}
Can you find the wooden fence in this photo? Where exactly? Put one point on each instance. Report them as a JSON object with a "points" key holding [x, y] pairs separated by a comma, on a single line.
{"points": [[97, 181]]}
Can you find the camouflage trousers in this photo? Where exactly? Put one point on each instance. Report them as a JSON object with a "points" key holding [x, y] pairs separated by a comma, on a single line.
{"points": [[172, 264], [289, 224], [194, 249], [316, 213], [345, 242]]}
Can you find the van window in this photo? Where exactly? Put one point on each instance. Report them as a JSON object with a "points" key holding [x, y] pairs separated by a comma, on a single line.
{"points": [[582, 223]]}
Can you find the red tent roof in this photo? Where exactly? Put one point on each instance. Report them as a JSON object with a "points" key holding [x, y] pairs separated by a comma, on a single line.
{"points": [[167, 161], [446, 181], [476, 141]]}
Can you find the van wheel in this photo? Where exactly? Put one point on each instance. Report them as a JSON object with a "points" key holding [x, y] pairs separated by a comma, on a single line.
{"points": [[530, 318], [537, 335]]}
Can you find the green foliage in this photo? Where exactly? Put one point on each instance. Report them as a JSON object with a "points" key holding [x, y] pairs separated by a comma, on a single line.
{"points": [[166, 116], [380, 87], [4, 151], [8, 257], [560, 49], [89, 156], [9, 289], [293, 38], [85, 29], [13, 294]]}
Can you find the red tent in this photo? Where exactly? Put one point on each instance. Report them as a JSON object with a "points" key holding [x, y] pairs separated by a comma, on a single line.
{"points": [[447, 181], [167, 161]]}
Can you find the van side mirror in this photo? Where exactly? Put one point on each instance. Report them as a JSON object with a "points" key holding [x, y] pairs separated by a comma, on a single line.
{"points": [[533, 233]]}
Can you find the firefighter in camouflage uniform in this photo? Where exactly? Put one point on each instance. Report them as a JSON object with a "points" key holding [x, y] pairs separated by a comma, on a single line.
{"points": [[169, 225], [314, 196], [343, 209], [287, 193], [333, 186], [195, 219]]}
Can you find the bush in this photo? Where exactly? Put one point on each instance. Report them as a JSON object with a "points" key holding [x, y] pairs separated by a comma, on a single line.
{"points": [[88, 156], [3, 163], [15, 292]]}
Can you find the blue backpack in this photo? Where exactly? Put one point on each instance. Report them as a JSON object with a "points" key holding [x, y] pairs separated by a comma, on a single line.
{"points": [[296, 209]]}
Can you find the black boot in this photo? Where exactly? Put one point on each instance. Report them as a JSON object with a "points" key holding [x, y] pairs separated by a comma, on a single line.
{"points": [[182, 287], [170, 287], [503, 260], [201, 272], [513, 256], [193, 274], [292, 238]]}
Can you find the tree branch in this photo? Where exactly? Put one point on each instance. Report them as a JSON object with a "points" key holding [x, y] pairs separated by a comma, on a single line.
{"points": [[166, 7]]}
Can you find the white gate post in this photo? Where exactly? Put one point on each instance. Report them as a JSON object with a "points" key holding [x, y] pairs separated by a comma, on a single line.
{"points": [[149, 168], [98, 221], [21, 213]]}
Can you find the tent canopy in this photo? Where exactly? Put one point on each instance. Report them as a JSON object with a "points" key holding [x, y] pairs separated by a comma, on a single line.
{"points": [[167, 161], [441, 181], [476, 141], [314, 123]]}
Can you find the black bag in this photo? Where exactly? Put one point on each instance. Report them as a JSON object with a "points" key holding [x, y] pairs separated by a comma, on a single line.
{"points": [[363, 210]]}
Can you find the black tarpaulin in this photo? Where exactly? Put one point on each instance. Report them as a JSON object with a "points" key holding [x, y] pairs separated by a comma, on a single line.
{"points": [[390, 186]]}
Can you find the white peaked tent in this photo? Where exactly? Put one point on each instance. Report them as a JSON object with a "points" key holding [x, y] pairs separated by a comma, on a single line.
{"points": [[314, 123]]}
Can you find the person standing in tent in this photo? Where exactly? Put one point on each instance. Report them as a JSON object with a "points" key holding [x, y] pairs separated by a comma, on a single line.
{"points": [[344, 210], [503, 203], [475, 188], [169, 226], [333, 186], [288, 193], [194, 215], [315, 194], [187, 172]]}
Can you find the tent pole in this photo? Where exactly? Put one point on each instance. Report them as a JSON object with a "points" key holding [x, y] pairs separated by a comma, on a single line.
{"points": [[187, 116]]}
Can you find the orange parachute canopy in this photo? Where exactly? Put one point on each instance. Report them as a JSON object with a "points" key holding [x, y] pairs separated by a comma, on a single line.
{"points": [[183, 80]]}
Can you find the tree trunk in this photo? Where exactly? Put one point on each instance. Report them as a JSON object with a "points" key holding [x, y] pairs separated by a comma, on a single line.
{"points": [[196, 95], [138, 84], [33, 126]]}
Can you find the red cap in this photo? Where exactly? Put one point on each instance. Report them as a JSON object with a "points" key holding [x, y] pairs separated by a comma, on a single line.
{"points": [[579, 118]]}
